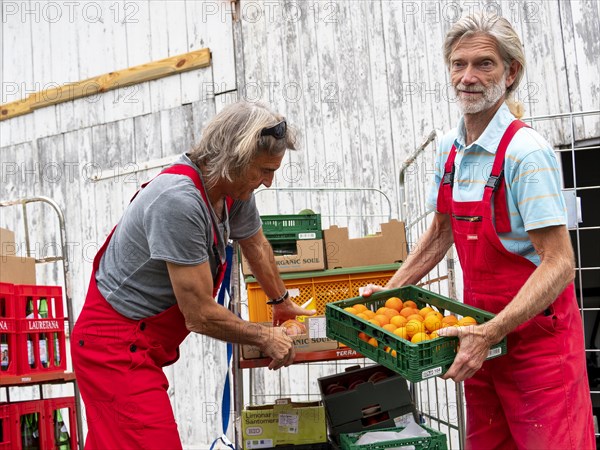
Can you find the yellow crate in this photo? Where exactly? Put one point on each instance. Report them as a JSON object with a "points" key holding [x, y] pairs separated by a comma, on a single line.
{"points": [[325, 287]]}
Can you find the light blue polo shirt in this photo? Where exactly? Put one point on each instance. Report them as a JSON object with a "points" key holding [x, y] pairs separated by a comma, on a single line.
{"points": [[531, 176]]}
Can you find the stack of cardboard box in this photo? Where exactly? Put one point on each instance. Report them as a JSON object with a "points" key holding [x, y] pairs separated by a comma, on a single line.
{"points": [[14, 269]]}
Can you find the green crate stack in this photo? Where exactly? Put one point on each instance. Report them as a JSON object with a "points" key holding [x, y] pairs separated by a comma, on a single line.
{"points": [[282, 231], [437, 441], [415, 362]]}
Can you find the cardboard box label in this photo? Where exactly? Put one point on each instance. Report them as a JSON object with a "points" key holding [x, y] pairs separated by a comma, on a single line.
{"points": [[310, 255], [283, 424]]}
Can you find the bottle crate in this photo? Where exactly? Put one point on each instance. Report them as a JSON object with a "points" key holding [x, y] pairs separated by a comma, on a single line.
{"points": [[61, 423], [40, 336], [8, 330]]}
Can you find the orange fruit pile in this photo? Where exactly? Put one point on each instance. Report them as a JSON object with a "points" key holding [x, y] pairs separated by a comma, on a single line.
{"points": [[405, 320]]}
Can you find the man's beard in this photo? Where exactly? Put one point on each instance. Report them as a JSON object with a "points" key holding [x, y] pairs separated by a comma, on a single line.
{"points": [[490, 96]]}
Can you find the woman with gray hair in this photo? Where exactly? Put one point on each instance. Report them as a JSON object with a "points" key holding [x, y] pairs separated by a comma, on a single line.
{"points": [[155, 278]]}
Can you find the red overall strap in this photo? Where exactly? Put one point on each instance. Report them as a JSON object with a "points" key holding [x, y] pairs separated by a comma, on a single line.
{"points": [[496, 185], [444, 199]]}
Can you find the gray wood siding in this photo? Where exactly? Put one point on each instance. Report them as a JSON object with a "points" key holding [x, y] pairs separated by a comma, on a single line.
{"points": [[363, 82]]}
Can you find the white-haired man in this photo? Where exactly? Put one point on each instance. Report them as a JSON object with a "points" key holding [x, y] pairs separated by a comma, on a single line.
{"points": [[497, 197]]}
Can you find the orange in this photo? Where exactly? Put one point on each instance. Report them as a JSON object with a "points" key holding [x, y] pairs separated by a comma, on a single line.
{"points": [[382, 319], [394, 303], [401, 332], [381, 310], [390, 351], [370, 314], [433, 335], [425, 310], [415, 317], [391, 313], [450, 320], [351, 310], [432, 323], [410, 304], [413, 327], [363, 337], [407, 311], [373, 342], [362, 316], [435, 313], [467, 320], [399, 321], [419, 337], [359, 307], [375, 322], [389, 327]]}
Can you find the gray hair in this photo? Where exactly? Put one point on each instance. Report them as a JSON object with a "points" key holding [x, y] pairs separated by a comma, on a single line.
{"points": [[233, 138], [509, 44]]}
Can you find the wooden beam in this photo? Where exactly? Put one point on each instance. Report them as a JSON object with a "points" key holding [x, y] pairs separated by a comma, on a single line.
{"points": [[107, 82]]}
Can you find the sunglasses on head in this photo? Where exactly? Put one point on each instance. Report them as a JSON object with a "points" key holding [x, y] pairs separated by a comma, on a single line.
{"points": [[277, 131]]}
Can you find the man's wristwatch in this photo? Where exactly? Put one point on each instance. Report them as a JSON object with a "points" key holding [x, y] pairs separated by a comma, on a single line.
{"points": [[279, 300]]}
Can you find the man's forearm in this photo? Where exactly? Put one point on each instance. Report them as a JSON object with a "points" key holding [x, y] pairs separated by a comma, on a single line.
{"points": [[545, 284], [429, 251], [537, 294]]}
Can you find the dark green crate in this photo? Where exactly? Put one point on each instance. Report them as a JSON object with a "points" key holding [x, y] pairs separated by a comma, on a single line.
{"points": [[292, 227], [415, 362], [437, 441]]}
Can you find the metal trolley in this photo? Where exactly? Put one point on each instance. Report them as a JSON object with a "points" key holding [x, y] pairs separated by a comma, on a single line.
{"points": [[60, 257]]}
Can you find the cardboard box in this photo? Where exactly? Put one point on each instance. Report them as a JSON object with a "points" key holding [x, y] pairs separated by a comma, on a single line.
{"points": [[283, 423], [17, 270], [315, 340], [387, 247], [7, 242], [365, 399], [309, 256]]}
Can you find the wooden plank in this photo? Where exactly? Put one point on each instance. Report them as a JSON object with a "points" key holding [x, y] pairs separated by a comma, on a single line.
{"points": [[112, 80]]}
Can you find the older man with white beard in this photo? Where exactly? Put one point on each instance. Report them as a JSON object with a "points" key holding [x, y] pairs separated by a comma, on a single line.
{"points": [[497, 197]]}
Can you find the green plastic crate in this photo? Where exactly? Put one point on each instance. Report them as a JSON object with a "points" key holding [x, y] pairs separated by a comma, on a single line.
{"points": [[415, 362], [292, 227], [437, 441]]}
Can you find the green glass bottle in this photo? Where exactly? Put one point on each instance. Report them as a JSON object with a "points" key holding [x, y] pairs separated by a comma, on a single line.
{"points": [[43, 343], [29, 315], [30, 435], [61, 434]]}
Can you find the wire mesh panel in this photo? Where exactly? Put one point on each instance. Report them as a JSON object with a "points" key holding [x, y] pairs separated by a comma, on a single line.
{"points": [[440, 402], [578, 152]]}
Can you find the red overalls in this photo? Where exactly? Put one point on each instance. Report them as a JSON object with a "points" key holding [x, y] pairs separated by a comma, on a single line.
{"points": [[537, 396], [118, 363]]}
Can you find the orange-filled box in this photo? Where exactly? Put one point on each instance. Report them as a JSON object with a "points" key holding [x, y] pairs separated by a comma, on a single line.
{"points": [[40, 329]]}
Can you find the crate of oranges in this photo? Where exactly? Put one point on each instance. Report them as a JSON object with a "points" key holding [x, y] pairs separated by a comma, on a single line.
{"points": [[398, 329]]}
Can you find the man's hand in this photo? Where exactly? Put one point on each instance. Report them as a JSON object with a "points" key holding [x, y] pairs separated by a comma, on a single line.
{"points": [[278, 346], [370, 289], [289, 310], [473, 350]]}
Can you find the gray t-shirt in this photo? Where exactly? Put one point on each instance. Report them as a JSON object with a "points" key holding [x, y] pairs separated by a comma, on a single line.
{"points": [[167, 221]]}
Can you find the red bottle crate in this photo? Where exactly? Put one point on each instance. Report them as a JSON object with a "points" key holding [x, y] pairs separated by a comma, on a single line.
{"points": [[8, 330], [5, 426], [55, 431], [40, 340], [26, 418]]}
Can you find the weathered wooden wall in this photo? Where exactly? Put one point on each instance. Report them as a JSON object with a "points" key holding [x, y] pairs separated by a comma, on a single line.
{"points": [[363, 81]]}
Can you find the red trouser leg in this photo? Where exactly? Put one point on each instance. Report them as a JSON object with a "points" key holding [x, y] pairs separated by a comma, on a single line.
{"points": [[487, 427], [125, 395]]}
